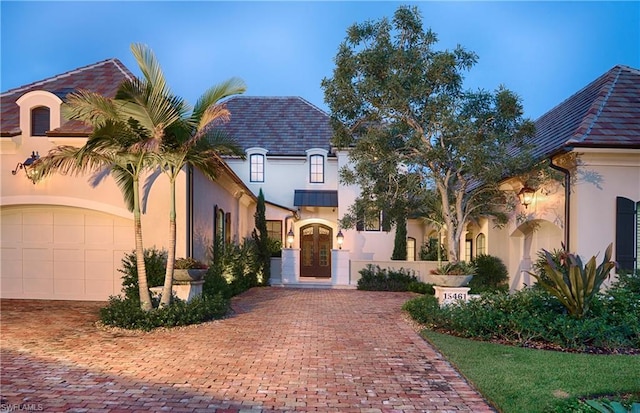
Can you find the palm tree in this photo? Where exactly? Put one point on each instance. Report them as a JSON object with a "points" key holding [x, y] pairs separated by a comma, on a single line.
{"points": [[145, 127], [194, 142], [110, 149]]}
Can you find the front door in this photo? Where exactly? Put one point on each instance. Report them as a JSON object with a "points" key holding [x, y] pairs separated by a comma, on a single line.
{"points": [[315, 250]]}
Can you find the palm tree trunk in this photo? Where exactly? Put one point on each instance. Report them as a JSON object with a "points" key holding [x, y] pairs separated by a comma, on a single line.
{"points": [[143, 287], [167, 290]]}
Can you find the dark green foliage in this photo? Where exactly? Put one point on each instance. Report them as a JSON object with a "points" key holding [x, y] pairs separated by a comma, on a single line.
{"points": [[400, 241], [155, 262], [424, 310], [421, 288], [263, 243], [532, 317], [234, 269], [374, 278], [126, 312], [491, 274], [429, 251]]}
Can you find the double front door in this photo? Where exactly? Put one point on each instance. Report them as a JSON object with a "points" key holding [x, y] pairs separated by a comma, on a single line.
{"points": [[315, 250]]}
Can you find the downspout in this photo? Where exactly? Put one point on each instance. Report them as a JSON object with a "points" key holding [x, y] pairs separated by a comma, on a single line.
{"points": [[567, 201], [189, 211]]}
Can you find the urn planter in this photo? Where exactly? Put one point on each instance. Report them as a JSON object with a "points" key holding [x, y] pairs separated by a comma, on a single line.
{"points": [[187, 275], [452, 280]]}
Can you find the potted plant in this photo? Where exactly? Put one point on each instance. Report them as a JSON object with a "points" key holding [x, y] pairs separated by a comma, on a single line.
{"points": [[454, 274], [188, 269]]}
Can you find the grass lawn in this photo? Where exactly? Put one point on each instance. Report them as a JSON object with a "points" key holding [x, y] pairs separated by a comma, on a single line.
{"points": [[518, 380]]}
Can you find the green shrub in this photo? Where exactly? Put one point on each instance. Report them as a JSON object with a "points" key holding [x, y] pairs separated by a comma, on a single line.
{"points": [[234, 269], [532, 317], [126, 313], [425, 310], [373, 278], [421, 288], [155, 261], [491, 275]]}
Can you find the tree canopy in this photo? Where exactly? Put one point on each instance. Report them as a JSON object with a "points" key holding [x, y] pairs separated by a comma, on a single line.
{"points": [[414, 133]]}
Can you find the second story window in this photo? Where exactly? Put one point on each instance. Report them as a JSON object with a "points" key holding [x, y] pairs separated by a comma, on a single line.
{"points": [[256, 172], [316, 172], [40, 118]]}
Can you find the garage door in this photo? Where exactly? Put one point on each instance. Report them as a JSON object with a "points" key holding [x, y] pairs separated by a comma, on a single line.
{"points": [[62, 253]]}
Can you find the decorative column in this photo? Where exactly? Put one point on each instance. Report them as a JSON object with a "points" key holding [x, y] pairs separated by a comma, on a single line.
{"points": [[340, 268], [290, 265]]}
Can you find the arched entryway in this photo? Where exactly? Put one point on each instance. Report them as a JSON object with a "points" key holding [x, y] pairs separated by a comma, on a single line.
{"points": [[315, 250]]}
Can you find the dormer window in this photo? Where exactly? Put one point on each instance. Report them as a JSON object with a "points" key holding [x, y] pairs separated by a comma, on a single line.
{"points": [[316, 158], [256, 162], [40, 121], [316, 172]]}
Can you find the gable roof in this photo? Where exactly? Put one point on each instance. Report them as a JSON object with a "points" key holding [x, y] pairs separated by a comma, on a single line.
{"points": [[102, 77], [285, 126], [605, 113]]}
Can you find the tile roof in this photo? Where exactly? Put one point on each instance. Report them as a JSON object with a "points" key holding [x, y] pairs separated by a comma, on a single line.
{"points": [[102, 77], [605, 113], [283, 125]]}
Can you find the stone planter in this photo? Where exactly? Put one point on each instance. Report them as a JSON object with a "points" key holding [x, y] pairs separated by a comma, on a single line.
{"points": [[193, 274], [451, 280]]}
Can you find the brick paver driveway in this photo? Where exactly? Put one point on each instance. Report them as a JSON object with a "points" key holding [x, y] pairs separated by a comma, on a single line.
{"points": [[282, 350]]}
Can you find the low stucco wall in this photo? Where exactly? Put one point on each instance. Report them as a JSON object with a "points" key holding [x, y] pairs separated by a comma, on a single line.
{"points": [[422, 269]]}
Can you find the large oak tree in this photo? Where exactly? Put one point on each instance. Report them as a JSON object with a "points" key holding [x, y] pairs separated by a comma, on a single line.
{"points": [[415, 133]]}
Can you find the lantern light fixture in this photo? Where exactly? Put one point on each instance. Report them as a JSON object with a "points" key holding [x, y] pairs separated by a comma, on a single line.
{"points": [[27, 166], [290, 237], [340, 238], [526, 196]]}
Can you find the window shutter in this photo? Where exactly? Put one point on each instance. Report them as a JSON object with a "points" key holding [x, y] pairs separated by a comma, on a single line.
{"points": [[227, 227], [215, 223], [625, 233]]}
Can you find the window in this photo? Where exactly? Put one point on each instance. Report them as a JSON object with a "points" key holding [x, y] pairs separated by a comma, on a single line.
{"points": [[627, 232], [468, 248], [316, 172], [274, 229], [219, 225], [40, 121], [372, 221], [411, 249], [256, 172], [481, 244]]}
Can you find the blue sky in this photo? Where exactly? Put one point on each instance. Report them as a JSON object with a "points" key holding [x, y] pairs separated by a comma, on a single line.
{"points": [[544, 51]]}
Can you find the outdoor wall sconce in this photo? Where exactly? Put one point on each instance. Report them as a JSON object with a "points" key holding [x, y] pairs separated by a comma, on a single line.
{"points": [[26, 165], [526, 196], [290, 237], [340, 239]]}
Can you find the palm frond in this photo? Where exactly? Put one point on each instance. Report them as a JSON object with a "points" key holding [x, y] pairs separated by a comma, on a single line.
{"points": [[124, 179], [230, 87], [218, 141], [90, 108]]}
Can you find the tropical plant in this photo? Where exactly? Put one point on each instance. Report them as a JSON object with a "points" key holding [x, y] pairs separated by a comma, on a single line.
{"points": [[186, 139], [189, 264], [115, 148], [573, 283], [455, 268], [414, 133], [612, 406]]}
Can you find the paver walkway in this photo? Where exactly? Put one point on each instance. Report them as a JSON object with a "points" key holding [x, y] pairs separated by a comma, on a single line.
{"points": [[282, 350]]}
